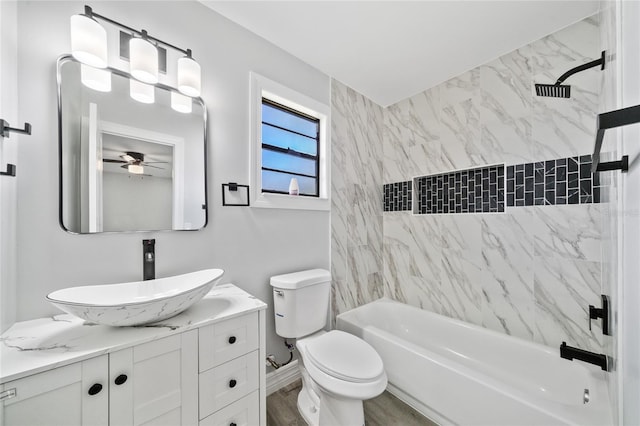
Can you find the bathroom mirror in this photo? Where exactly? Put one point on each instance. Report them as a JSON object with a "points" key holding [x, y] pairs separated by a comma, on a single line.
{"points": [[127, 165]]}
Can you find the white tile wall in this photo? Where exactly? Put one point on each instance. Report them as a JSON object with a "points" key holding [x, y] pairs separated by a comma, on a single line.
{"points": [[531, 272]]}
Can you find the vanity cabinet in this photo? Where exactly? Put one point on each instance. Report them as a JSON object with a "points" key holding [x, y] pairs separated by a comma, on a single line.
{"points": [[229, 372], [209, 375], [151, 383], [73, 395], [155, 383]]}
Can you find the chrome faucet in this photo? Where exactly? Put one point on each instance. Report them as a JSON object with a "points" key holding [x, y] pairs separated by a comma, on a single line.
{"points": [[148, 259]]}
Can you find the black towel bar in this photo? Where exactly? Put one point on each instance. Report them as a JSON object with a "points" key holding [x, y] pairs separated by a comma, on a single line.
{"points": [[610, 120]]}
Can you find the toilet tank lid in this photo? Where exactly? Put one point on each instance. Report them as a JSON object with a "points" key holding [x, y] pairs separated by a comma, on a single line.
{"points": [[300, 279]]}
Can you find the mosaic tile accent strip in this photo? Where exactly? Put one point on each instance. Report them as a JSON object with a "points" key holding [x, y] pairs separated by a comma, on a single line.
{"points": [[553, 182], [397, 196], [478, 190]]}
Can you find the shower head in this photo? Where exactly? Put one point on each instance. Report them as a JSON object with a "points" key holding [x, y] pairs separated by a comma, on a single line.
{"points": [[559, 90], [553, 90]]}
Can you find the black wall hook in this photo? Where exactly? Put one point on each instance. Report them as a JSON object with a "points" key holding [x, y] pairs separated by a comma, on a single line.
{"points": [[4, 133], [5, 129], [11, 170]]}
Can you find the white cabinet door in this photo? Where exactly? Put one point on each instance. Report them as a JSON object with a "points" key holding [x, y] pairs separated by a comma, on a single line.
{"points": [[76, 394], [155, 383]]}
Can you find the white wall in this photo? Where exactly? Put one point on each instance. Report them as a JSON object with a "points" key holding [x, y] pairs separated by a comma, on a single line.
{"points": [[249, 244], [134, 202], [8, 185]]}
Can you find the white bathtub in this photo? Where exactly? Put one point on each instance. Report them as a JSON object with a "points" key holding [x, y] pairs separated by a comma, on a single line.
{"points": [[458, 373]]}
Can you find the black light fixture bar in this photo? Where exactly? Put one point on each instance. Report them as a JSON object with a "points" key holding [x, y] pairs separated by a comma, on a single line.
{"points": [[142, 33]]}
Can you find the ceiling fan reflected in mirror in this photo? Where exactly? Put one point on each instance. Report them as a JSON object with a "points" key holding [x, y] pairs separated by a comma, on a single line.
{"points": [[134, 162]]}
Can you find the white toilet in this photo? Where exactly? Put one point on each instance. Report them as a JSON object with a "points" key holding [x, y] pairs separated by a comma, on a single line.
{"points": [[339, 370]]}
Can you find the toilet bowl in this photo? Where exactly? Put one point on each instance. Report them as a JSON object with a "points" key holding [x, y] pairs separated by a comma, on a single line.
{"points": [[338, 370]]}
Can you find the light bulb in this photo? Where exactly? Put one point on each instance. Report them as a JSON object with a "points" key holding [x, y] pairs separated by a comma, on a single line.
{"points": [[95, 78], [141, 92], [181, 103], [136, 169], [88, 41], [189, 76], [143, 60]]}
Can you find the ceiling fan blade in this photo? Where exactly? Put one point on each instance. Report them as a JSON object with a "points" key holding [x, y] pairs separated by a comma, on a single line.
{"points": [[154, 167], [125, 166], [109, 160], [155, 162]]}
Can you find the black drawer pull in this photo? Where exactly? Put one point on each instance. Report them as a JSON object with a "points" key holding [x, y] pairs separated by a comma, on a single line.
{"points": [[95, 389], [232, 340], [232, 383], [232, 424], [121, 379]]}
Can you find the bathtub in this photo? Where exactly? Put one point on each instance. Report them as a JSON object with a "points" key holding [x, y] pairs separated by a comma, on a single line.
{"points": [[458, 373]]}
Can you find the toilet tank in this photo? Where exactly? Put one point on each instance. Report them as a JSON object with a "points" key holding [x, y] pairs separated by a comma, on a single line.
{"points": [[301, 302]]}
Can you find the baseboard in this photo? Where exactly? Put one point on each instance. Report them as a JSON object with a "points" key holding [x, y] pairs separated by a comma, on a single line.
{"points": [[283, 376]]}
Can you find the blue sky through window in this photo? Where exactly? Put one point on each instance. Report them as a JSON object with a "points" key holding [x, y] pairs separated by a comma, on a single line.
{"points": [[284, 130]]}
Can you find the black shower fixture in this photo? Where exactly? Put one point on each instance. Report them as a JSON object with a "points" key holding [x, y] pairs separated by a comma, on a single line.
{"points": [[559, 90]]}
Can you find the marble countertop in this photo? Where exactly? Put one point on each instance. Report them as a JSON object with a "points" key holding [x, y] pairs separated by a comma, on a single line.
{"points": [[41, 344]]}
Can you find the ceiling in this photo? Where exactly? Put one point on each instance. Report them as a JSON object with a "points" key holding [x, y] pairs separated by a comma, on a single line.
{"points": [[391, 50]]}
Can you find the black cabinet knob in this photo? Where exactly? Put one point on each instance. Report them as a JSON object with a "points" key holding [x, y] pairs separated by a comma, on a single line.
{"points": [[232, 424], [232, 340], [121, 379], [232, 383], [95, 389]]}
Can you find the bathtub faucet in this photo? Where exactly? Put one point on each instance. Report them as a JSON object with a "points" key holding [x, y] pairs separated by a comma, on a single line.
{"points": [[570, 353]]}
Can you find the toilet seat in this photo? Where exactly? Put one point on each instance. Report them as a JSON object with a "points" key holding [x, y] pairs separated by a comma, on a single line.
{"points": [[345, 357], [343, 378]]}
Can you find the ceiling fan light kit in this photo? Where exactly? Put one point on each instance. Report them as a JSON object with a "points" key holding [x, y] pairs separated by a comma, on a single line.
{"points": [[134, 162]]}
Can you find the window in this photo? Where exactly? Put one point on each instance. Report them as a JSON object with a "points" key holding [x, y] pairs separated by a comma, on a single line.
{"points": [[290, 135], [290, 148]]}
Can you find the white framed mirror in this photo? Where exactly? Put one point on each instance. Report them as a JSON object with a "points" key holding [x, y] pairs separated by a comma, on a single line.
{"points": [[126, 165]]}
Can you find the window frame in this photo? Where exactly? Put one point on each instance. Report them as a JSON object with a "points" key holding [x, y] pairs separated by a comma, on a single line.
{"points": [[262, 87]]}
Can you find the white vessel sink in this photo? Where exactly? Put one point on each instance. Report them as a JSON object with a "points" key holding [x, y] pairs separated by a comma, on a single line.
{"points": [[136, 303]]}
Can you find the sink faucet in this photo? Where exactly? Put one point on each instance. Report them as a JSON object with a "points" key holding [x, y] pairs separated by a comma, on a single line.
{"points": [[148, 259]]}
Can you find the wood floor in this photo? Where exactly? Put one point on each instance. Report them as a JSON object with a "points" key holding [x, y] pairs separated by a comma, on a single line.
{"points": [[385, 410]]}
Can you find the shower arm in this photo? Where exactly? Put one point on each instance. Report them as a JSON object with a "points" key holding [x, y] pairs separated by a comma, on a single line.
{"points": [[581, 68]]}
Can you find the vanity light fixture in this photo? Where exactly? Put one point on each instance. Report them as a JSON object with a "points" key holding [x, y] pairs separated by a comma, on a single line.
{"points": [[88, 39], [89, 46], [189, 76], [141, 92], [95, 78], [181, 103], [144, 59]]}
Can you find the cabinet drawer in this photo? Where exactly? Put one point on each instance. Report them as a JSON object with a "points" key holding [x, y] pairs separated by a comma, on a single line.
{"points": [[244, 412], [222, 385], [224, 341]]}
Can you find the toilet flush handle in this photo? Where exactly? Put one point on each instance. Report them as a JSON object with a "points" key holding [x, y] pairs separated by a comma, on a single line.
{"points": [[279, 292]]}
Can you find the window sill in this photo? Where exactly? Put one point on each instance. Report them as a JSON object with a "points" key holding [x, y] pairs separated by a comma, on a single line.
{"points": [[292, 202]]}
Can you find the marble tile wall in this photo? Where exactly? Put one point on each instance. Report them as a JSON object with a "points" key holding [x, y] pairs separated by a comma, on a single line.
{"points": [[356, 198], [533, 271], [530, 272]]}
